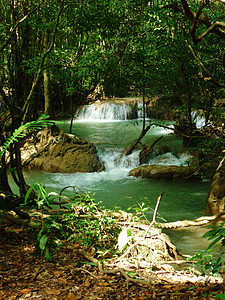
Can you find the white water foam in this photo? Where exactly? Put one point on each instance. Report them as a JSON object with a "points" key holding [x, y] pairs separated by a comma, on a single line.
{"points": [[115, 170], [168, 159], [198, 120]]}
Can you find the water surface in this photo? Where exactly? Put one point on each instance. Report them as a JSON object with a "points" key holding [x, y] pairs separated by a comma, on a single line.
{"points": [[182, 199]]}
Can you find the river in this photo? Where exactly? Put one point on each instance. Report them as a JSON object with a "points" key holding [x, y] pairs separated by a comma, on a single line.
{"points": [[108, 127]]}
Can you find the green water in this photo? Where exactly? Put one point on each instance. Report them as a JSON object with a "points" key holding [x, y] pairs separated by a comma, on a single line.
{"points": [[114, 188]]}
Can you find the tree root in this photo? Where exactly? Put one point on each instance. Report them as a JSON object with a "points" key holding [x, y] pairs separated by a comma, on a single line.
{"points": [[186, 223], [113, 271]]}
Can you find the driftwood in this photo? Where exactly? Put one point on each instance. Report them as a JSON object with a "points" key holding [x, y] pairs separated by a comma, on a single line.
{"points": [[146, 231], [147, 150], [197, 222], [130, 149]]}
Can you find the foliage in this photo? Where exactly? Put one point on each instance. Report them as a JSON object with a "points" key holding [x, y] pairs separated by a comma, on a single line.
{"points": [[140, 210], [207, 259], [48, 238], [50, 228], [217, 233], [82, 222], [25, 129], [87, 224], [210, 143], [124, 46], [42, 196]]}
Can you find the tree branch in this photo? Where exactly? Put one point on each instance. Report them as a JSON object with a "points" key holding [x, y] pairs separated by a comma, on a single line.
{"points": [[12, 30], [40, 69], [199, 18], [194, 28], [210, 78], [147, 230], [211, 29], [187, 10]]}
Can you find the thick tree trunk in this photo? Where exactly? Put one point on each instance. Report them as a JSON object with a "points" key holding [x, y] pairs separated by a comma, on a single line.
{"points": [[4, 184], [47, 94], [46, 81], [215, 201]]}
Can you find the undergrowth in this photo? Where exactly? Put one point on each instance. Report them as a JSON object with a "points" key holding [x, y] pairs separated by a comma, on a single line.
{"points": [[82, 221]]}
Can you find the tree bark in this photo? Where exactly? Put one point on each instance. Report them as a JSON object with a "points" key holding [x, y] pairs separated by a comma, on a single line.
{"points": [[147, 150], [130, 149], [215, 202], [46, 81]]}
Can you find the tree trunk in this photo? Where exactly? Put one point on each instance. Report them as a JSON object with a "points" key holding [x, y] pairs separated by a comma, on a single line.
{"points": [[46, 81], [4, 184], [147, 150], [130, 149], [215, 201]]}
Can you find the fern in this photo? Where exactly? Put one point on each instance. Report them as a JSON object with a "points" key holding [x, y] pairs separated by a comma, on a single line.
{"points": [[23, 130]]}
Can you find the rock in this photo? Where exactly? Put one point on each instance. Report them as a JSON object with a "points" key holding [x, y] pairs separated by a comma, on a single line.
{"points": [[208, 168], [163, 172], [53, 150]]}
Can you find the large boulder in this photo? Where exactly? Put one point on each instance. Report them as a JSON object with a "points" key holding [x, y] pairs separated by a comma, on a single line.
{"points": [[163, 172], [53, 150]]}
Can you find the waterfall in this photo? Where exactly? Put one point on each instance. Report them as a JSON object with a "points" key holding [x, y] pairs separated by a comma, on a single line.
{"points": [[109, 111], [109, 157], [198, 120]]}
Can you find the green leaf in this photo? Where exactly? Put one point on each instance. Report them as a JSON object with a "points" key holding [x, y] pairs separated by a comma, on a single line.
{"points": [[211, 233], [43, 241], [31, 188], [48, 254], [214, 242], [221, 296]]}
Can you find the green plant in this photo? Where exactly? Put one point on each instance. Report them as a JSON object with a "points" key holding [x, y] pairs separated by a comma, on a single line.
{"points": [[207, 258], [47, 238], [83, 221], [207, 261], [50, 227], [23, 130], [217, 233], [87, 225], [139, 210], [41, 194]]}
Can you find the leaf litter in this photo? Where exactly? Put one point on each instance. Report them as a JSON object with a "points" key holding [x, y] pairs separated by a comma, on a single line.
{"points": [[73, 276]]}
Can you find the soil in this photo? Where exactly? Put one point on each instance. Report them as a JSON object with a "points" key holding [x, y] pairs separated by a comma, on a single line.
{"points": [[71, 276]]}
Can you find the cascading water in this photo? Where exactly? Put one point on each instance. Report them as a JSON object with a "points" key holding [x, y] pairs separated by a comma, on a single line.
{"points": [[108, 111], [113, 187], [198, 120], [168, 159]]}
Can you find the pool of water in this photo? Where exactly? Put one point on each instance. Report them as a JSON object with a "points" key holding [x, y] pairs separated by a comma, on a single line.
{"points": [[182, 199]]}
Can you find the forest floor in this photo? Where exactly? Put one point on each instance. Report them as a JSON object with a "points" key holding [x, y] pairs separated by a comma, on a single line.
{"points": [[70, 276]]}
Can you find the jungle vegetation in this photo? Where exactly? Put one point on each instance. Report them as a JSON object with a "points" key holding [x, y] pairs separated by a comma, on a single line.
{"points": [[54, 53], [58, 52]]}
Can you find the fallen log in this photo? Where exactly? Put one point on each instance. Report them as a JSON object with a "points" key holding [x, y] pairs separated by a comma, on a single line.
{"points": [[147, 150], [197, 222], [130, 149]]}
